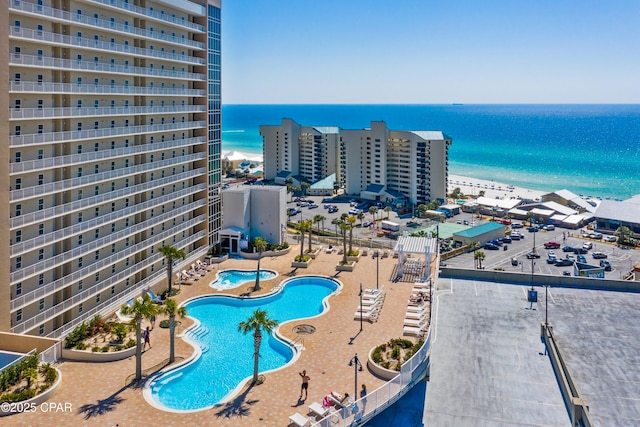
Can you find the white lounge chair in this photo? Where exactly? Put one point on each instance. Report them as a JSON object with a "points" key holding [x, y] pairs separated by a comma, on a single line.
{"points": [[413, 330], [299, 420], [413, 322], [187, 275], [203, 266], [374, 291], [371, 316], [371, 299], [417, 307], [319, 410], [416, 314]]}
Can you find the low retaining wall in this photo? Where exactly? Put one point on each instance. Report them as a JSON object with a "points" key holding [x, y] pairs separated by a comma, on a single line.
{"points": [[32, 405], [379, 371], [256, 255], [541, 279], [96, 356]]}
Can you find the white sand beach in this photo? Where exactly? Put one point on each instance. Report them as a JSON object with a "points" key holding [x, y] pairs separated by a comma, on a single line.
{"points": [[492, 189]]}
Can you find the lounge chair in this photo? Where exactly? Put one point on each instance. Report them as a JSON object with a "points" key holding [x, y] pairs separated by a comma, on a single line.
{"points": [[370, 299], [415, 331], [374, 291], [122, 317], [203, 266], [155, 298], [413, 322], [299, 420], [197, 271], [416, 314], [369, 307], [319, 410], [370, 316], [329, 249], [188, 275]]}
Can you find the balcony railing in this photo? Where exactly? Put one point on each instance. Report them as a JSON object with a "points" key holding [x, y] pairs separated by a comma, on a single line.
{"points": [[89, 202], [92, 156], [32, 139], [111, 305], [97, 178], [58, 309], [22, 6], [83, 42], [145, 12], [75, 112], [93, 223], [98, 67], [89, 248], [92, 89]]}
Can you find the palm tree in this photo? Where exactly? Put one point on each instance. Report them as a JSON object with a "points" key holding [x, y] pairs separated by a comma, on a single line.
{"points": [[171, 309], [142, 308], [260, 244], [303, 227], [256, 323], [318, 219], [388, 210], [171, 253], [351, 220], [336, 222], [373, 211], [475, 245], [290, 187], [360, 217], [422, 208], [479, 256], [343, 229], [304, 186]]}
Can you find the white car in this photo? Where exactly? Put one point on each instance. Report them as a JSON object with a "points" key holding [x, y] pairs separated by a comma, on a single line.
{"points": [[354, 211], [610, 238]]}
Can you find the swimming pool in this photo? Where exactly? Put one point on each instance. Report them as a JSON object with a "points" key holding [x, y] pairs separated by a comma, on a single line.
{"points": [[229, 279], [8, 357], [225, 358]]}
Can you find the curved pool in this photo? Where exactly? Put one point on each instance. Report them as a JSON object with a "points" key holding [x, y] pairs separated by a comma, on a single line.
{"points": [[229, 279], [225, 358]]}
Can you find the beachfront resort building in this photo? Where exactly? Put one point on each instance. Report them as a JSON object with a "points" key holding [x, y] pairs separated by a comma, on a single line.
{"points": [[375, 163], [111, 146]]}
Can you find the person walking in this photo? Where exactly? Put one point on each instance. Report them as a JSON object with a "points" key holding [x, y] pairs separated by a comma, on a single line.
{"points": [[147, 338], [305, 384], [153, 322]]}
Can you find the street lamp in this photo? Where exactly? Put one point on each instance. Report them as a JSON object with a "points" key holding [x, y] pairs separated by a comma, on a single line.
{"points": [[546, 299], [377, 266], [361, 306], [357, 366]]}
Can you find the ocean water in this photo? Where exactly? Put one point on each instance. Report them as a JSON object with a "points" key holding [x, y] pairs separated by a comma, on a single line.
{"points": [[588, 149]]}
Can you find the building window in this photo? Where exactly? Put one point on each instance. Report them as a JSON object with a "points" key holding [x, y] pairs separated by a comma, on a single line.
{"points": [[18, 183], [18, 288], [40, 204], [18, 209], [80, 262], [80, 308], [40, 154], [18, 262], [40, 229], [41, 304], [19, 315], [40, 254], [80, 285], [113, 290], [97, 298], [18, 236]]}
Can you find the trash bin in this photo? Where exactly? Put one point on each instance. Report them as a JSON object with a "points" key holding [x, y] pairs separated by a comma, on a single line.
{"points": [[505, 247]]}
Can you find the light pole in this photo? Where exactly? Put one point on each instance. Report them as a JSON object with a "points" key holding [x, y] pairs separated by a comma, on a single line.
{"points": [[361, 308], [357, 366], [377, 266], [546, 299]]}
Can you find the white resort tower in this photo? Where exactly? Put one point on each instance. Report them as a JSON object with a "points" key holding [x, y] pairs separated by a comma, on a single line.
{"points": [[110, 141]]}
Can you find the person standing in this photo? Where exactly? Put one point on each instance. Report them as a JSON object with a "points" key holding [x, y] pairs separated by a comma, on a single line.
{"points": [[153, 322], [363, 395], [147, 338], [305, 384]]}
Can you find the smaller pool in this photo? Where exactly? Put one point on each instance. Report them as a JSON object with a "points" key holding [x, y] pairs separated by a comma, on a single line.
{"points": [[8, 357], [229, 279]]}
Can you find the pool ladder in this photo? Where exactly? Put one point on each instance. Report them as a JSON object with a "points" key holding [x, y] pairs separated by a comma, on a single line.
{"points": [[200, 332], [299, 342]]}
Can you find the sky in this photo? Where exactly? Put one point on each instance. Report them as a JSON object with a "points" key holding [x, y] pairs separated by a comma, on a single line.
{"points": [[430, 51]]}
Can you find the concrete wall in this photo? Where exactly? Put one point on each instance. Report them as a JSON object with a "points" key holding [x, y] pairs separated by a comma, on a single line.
{"points": [[5, 270], [25, 343], [542, 279]]}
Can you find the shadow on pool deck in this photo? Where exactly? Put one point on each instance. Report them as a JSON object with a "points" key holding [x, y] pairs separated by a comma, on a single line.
{"points": [[238, 407]]}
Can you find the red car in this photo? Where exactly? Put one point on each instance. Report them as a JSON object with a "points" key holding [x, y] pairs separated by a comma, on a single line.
{"points": [[552, 245]]}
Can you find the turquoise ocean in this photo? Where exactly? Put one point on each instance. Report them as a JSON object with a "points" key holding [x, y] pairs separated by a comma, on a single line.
{"points": [[592, 150]]}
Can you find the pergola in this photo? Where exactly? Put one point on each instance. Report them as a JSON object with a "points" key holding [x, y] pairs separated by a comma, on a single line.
{"points": [[416, 245]]}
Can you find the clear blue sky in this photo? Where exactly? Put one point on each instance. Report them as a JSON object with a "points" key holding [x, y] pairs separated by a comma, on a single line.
{"points": [[430, 52]]}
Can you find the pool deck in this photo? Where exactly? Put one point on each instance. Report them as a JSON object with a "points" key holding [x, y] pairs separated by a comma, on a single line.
{"points": [[102, 393]]}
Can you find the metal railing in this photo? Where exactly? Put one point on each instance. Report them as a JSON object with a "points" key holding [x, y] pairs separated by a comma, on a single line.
{"points": [[83, 42], [16, 141], [93, 22], [74, 112], [89, 88], [48, 163], [77, 205], [97, 178], [93, 223], [100, 67]]}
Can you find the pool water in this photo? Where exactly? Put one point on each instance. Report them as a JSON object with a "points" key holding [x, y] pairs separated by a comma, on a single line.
{"points": [[7, 357], [229, 279], [227, 354]]}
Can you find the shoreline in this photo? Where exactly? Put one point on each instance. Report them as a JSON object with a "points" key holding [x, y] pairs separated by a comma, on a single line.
{"points": [[494, 190]]}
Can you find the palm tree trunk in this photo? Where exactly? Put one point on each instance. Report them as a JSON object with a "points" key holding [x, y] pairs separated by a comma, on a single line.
{"points": [[257, 285], [257, 338], [138, 349], [301, 244], [169, 273], [344, 245], [172, 332]]}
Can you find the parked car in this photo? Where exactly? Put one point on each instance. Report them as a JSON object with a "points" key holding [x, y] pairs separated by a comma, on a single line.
{"points": [[595, 235], [313, 206], [532, 229], [552, 245], [496, 242], [587, 245], [506, 239], [516, 225], [551, 253], [610, 238], [549, 227], [580, 251], [606, 265], [581, 259], [514, 262], [465, 222], [516, 236], [490, 246], [354, 211], [563, 263], [599, 255], [568, 249], [532, 255], [551, 259], [570, 257], [566, 273], [333, 209], [367, 224]]}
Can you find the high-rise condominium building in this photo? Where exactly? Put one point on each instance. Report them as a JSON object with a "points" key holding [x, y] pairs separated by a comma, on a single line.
{"points": [[375, 163], [110, 147]]}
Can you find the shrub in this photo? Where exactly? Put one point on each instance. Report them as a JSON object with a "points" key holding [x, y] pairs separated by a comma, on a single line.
{"points": [[303, 258], [164, 323], [120, 330], [353, 252], [25, 394], [376, 356], [130, 343], [395, 353], [104, 349], [95, 349], [80, 346], [120, 347]]}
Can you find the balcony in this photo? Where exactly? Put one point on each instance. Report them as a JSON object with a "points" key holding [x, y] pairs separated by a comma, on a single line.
{"points": [[34, 139], [27, 34], [76, 112], [66, 17], [48, 239], [91, 291], [93, 156], [16, 59], [92, 89], [89, 202], [97, 178], [88, 249]]}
